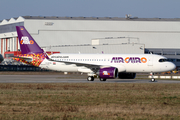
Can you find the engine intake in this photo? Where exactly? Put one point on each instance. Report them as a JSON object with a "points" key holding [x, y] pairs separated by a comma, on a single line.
{"points": [[108, 73]]}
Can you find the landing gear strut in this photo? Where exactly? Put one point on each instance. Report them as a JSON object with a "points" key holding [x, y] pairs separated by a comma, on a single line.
{"points": [[152, 77], [90, 78]]}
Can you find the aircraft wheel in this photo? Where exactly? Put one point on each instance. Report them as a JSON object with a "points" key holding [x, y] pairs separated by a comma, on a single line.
{"points": [[90, 78], [104, 79], [152, 80], [101, 79]]}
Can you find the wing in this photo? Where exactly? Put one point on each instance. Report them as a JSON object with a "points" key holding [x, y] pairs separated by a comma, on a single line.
{"points": [[93, 67]]}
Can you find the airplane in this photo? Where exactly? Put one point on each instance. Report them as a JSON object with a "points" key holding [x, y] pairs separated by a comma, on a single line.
{"points": [[102, 66]]}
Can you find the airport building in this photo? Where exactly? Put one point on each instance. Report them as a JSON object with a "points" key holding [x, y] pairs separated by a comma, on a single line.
{"points": [[95, 35]]}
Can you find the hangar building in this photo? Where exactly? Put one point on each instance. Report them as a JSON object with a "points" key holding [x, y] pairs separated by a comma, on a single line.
{"points": [[96, 35]]}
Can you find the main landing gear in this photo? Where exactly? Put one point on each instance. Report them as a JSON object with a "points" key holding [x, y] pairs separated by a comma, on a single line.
{"points": [[90, 78], [101, 79], [152, 77]]}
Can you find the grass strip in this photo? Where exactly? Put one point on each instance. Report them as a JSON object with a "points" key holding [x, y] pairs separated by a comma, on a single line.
{"points": [[76, 101]]}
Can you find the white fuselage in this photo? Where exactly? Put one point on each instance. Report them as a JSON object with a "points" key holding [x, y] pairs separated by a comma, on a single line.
{"points": [[132, 63]]}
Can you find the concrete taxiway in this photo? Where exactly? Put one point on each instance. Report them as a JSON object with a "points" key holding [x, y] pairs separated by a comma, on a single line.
{"points": [[63, 79]]}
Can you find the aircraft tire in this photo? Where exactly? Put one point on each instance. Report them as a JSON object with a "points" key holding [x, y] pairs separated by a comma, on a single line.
{"points": [[90, 78], [101, 79], [153, 80]]}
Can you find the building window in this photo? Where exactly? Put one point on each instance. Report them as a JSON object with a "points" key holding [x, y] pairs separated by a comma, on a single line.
{"points": [[177, 60], [171, 60]]}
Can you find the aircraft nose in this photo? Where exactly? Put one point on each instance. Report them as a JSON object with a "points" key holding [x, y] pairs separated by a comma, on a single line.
{"points": [[172, 66]]}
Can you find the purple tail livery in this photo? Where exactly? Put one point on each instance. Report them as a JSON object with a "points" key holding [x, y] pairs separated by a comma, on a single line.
{"points": [[27, 43], [31, 53]]}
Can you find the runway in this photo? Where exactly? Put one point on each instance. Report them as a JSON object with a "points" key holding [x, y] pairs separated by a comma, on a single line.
{"points": [[67, 79]]}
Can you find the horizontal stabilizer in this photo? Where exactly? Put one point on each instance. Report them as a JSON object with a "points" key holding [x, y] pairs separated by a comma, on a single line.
{"points": [[28, 59]]}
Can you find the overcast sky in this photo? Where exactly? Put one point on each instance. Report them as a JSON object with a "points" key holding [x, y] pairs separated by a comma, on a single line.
{"points": [[90, 8]]}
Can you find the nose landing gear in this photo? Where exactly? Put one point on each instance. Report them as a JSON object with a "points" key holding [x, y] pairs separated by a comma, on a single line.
{"points": [[153, 80], [152, 77]]}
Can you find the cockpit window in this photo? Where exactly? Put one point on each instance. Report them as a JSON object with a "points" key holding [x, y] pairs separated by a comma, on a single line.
{"points": [[163, 60]]}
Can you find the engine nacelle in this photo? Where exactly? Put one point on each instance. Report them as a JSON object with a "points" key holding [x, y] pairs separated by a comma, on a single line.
{"points": [[108, 73], [126, 75]]}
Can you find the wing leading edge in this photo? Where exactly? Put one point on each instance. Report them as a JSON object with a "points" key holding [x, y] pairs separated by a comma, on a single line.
{"points": [[93, 67]]}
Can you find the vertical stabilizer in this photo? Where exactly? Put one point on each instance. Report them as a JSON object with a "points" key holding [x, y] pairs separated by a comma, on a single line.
{"points": [[27, 44]]}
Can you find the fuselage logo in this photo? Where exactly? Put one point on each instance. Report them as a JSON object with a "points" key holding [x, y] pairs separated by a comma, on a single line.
{"points": [[129, 60], [25, 40]]}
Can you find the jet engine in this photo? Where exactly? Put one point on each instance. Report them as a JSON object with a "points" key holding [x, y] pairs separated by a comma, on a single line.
{"points": [[108, 73], [127, 75]]}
